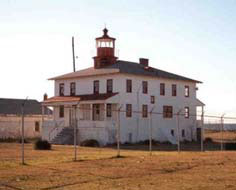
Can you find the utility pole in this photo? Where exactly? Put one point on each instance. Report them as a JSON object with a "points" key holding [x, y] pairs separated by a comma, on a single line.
{"points": [[73, 53], [23, 132]]}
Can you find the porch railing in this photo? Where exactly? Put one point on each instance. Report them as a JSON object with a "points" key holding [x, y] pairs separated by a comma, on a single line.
{"points": [[55, 130]]}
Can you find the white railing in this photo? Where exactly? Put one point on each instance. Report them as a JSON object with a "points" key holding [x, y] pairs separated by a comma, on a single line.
{"points": [[52, 128]]}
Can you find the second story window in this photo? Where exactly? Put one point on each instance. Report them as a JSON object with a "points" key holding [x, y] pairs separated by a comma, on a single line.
{"points": [[61, 111], [167, 111], [128, 110], [186, 91], [109, 113], [109, 86], [72, 89], [61, 89], [152, 99], [128, 85], [96, 87], [162, 89], [174, 90], [145, 87], [186, 112]]}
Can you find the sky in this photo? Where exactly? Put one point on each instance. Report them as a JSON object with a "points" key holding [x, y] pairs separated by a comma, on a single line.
{"points": [[194, 38]]}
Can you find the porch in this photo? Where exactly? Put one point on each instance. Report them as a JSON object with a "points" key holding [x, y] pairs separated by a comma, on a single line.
{"points": [[93, 119]]}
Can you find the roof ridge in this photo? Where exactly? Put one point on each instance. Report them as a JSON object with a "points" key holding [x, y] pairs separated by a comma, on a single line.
{"points": [[18, 99]]}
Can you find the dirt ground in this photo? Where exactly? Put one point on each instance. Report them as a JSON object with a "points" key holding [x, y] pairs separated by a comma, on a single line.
{"points": [[98, 168]]}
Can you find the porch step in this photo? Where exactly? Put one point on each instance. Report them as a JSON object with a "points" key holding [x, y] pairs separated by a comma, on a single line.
{"points": [[66, 136]]}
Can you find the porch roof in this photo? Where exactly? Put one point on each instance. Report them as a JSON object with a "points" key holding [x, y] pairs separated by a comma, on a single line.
{"points": [[76, 99]]}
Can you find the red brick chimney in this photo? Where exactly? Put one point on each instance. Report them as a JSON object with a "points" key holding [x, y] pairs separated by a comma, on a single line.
{"points": [[45, 96], [143, 61]]}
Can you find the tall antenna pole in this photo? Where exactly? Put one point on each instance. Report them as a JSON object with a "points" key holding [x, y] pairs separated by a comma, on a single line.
{"points": [[73, 53]]}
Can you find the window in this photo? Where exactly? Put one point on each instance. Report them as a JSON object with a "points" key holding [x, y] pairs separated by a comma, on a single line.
{"points": [[128, 110], [96, 112], [36, 126], [186, 112], [109, 86], [61, 89], [174, 90], [183, 133], [96, 87], [72, 89], [61, 111], [167, 111], [162, 89], [186, 91], [108, 110], [145, 87], [172, 132], [128, 86], [152, 99], [145, 111]]}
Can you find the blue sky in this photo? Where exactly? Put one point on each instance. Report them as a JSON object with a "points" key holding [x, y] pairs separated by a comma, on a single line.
{"points": [[192, 38]]}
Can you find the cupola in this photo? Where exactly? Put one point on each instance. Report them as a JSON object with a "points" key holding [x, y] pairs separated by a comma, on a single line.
{"points": [[105, 51]]}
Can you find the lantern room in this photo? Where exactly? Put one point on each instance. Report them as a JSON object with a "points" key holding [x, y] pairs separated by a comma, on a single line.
{"points": [[105, 50]]}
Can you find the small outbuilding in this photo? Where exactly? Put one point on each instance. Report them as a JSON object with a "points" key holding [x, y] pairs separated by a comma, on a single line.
{"points": [[11, 117]]}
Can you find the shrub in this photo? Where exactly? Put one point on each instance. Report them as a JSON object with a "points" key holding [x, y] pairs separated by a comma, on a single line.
{"points": [[208, 140], [20, 141], [230, 146], [146, 142], [166, 142], [42, 145], [90, 143], [185, 141]]}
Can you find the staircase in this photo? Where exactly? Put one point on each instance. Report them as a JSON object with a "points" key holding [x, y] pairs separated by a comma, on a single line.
{"points": [[66, 136]]}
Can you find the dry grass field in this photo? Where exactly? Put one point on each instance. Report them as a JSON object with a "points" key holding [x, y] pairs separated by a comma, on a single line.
{"points": [[98, 168]]}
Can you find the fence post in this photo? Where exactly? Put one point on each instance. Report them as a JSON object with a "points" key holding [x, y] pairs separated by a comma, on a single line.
{"points": [[118, 132], [150, 131], [178, 143], [22, 135], [23, 131], [75, 134], [202, 131], [222, 126]]}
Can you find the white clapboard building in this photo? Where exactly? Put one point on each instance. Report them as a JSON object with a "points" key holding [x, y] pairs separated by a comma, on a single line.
{"points": [[115, 92]]}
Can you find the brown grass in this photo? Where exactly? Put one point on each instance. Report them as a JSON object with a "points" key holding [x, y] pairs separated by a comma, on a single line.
{"points": [[98, 168]]}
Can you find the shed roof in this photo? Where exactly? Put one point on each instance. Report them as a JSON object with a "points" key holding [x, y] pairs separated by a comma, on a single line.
{"points": [[13, 106], [84, 97]]}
